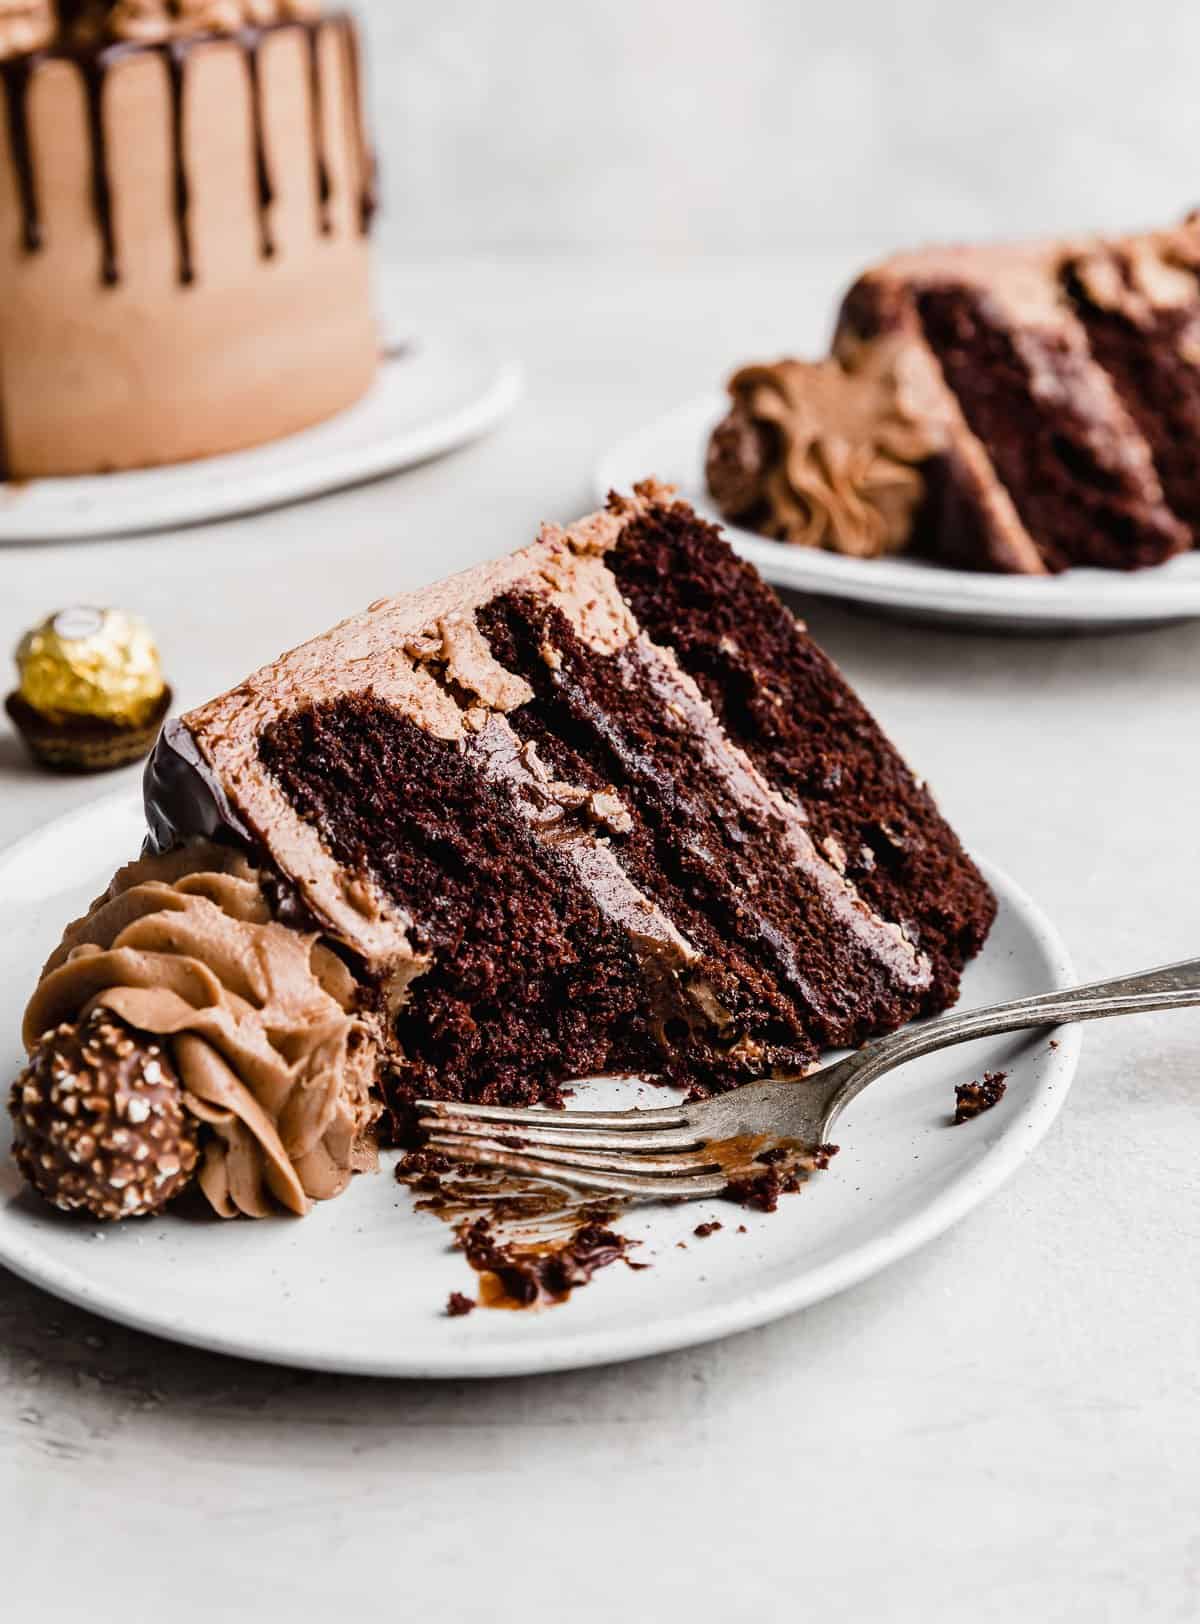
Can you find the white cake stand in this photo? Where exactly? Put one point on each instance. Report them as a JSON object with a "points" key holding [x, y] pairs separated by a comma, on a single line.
{"points": [[435, 391]]}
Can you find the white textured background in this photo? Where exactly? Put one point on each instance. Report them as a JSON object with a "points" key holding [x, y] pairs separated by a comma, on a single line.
{"points": [[697, 127]]}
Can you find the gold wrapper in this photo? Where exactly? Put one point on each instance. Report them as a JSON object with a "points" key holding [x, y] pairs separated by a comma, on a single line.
{"points": [[99, 663]]}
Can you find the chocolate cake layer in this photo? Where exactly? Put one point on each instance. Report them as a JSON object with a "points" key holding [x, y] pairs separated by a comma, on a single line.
{"points": [[1141, 313], [968, 519], [1031, 399], [529, 982], [708, 822], [781, 699], [561, 822]]}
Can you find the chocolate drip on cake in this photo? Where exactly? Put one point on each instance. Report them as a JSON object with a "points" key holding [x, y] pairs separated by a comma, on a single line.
{"points": [[316, 89], [16, 73], [182, 797], [94, 69], [368, 164], [175, 55], [251, 39], [95, 63]]}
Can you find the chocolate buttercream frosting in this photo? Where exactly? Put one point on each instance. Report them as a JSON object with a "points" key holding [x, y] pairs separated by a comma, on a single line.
{"points": [[150, 22], [261, 1020], [829, 453], [25, 25]]}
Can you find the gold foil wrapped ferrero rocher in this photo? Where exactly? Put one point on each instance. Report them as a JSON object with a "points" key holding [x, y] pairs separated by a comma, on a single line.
{"points": [[90, 690], [91, 662]]}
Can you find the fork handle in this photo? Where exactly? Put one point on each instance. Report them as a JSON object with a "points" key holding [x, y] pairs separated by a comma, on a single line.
{"points": [[1171, 986]]}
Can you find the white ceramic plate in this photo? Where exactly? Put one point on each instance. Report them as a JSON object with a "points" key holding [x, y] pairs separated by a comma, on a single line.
{"points": [[435, 392], [673, 448], [361, 1285]]}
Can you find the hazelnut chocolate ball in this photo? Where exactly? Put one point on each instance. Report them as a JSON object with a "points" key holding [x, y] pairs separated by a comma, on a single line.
{"points": [[100, 1121], [90, 693], [736, 466]]}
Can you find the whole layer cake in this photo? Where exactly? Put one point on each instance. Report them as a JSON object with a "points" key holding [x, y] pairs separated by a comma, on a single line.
{"points": [[600, 806], [185, 194], [1022, 409]]}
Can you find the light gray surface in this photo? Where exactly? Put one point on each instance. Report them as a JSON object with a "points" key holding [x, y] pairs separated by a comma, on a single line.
{"points": [[715, 126], [1005, 1426]]}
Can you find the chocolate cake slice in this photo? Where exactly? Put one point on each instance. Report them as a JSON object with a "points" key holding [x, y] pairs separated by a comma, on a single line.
{"points": [[600, 806], [1066, 475], [1048, 397]]}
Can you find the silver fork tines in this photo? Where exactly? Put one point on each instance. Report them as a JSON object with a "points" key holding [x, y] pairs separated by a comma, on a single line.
{"points": [[697, 1148]]}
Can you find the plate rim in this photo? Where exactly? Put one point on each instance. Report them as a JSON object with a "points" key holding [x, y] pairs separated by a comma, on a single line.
{"points": [[575, 1350], [202, 496], [1079, 598]]}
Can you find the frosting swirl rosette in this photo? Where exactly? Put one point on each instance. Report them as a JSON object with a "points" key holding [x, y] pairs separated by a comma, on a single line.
{"points": [[828, 453], [261, 1019]]}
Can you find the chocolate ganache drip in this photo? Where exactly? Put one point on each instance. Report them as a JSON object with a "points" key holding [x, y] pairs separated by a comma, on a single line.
{"points": [[176, 59], [316, 91], [251, 39], [368, 197], [184, 803], [85, 38], [183, 799], [95, 80], [17, 72]]}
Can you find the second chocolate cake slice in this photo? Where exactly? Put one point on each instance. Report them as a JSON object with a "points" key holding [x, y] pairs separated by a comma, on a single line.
{"points": [[1026, 409], [601, 806]]}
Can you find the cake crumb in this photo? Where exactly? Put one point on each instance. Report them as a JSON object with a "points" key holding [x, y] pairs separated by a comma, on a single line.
{"points": [[972, 1099], [785, 1170], [705, 1230], [458, 1304]]}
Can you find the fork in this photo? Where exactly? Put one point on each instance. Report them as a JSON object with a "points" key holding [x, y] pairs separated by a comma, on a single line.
{"points": [[698, 1148]]}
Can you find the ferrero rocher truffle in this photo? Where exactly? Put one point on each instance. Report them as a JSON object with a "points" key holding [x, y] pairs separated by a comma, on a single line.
{"points": [[100, 1124], [90, 693]]}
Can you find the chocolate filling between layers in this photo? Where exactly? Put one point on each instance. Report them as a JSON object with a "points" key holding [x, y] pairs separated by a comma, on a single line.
{"points": [[782, 701], [705, 825], [958, 523], [1160, 389], [1067, 471], [530, 982], [754, 1006]]}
